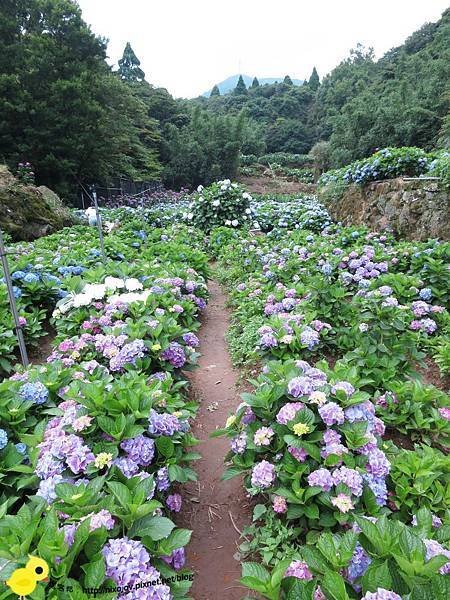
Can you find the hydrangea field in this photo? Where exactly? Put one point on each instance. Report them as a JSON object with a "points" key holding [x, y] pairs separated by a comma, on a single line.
{"points": [[341, 440]]}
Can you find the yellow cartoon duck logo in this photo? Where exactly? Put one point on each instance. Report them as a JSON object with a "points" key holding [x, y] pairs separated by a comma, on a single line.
{"points": [[23, 582]]}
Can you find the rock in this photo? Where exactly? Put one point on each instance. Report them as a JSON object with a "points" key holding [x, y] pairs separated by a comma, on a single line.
{"points": [[28, 212], [416, 210]]}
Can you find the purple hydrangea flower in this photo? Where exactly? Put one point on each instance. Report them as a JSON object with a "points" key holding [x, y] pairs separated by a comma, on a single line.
{"points": [[358, 564], [435, 549], [174, 502], [191, 339], [378, 487], [69, 531], [47, 487], [263, 474], [268, 340], [309, 338], [288, 412], [298, 453], [239, 443], [140, 449], [331, 414], [162, 479], [377, 463], [163, 423], [175, 355], [128, 354], [298, 569], [349, 477], [300, 386], [381, 594], [128, 563], [321, 478], [35, 392], [176, 560], [102, 519], [128, 467], [345, 386]]}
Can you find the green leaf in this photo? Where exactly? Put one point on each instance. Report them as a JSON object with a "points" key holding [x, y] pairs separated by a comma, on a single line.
{"points": [[252, 569], [121, 492], [377, 575], [258, 511], [156, 528], [7, 567], [334, 586], [94, 573], [231, 472], [165, 446]]}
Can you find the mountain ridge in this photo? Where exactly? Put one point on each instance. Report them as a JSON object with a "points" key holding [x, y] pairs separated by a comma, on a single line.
{"points": [[228, 84]]}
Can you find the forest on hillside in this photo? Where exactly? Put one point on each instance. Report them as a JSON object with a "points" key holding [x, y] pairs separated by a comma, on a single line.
{"points": [[76, 119]]}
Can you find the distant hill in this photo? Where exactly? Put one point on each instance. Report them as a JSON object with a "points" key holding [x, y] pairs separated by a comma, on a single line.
{"points": [[227, 85]]}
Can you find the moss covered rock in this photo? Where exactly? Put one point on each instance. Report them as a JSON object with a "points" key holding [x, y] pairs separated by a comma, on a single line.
{"points": [[28, 212]]}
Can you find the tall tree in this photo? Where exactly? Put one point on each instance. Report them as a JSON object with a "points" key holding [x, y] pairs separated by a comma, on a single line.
{"points": [[255, 82], [215, 91], [129, 66], [61, 108], [314, 80], [287, 80], [241, 88]]}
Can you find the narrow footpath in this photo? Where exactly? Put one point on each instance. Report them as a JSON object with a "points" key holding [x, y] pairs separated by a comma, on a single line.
{"points": [[212, 508]]}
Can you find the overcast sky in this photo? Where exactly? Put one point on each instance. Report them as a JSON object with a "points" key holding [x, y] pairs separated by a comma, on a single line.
{"points": [[189, 45]]}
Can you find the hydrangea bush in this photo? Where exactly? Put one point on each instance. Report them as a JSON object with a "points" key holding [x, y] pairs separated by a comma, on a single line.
{"points": [[221, 203]]}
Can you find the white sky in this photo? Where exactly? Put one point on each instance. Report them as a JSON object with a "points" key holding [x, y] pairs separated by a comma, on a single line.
{"points": [[189, 45]]}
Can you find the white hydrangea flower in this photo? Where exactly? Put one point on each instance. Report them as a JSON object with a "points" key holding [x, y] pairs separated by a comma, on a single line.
{"points": [[190, 216], [235, 222], [228, 222], [114, 283], [132, 284], [216, 203]]}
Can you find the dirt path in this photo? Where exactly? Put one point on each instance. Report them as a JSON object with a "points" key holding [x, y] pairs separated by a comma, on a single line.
{"points": [[209, 502]]}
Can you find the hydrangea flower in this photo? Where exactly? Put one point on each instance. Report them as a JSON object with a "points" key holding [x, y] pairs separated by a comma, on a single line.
{"points": [[263, 474], [279, 504], [162, 479], [342, 502], [288, 412], [175, 355], [349, 477], [35, 392], [239, 443], [300, 386], [263, 436], [174, 502], [163, 423], [434, 548], [358, 564], [299, 570], [331, 414], [140, 449], [381, 594], [321, 478], [3, 439]]}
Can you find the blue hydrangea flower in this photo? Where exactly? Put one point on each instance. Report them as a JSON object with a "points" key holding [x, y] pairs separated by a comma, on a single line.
{"points": [[21, 448], [35, 392], [31, 278], [3, 439]]}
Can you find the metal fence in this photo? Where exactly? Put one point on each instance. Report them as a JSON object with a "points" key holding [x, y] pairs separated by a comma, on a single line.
{"points": [[116, 187]]}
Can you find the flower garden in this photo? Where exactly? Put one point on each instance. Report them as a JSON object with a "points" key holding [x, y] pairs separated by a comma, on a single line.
{"points": [[342, 442]]}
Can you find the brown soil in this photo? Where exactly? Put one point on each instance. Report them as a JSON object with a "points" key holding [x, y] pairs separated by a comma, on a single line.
{"points": [[400, 439], [214, 509], [431, 375], [275, 185], [38, 354]]}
